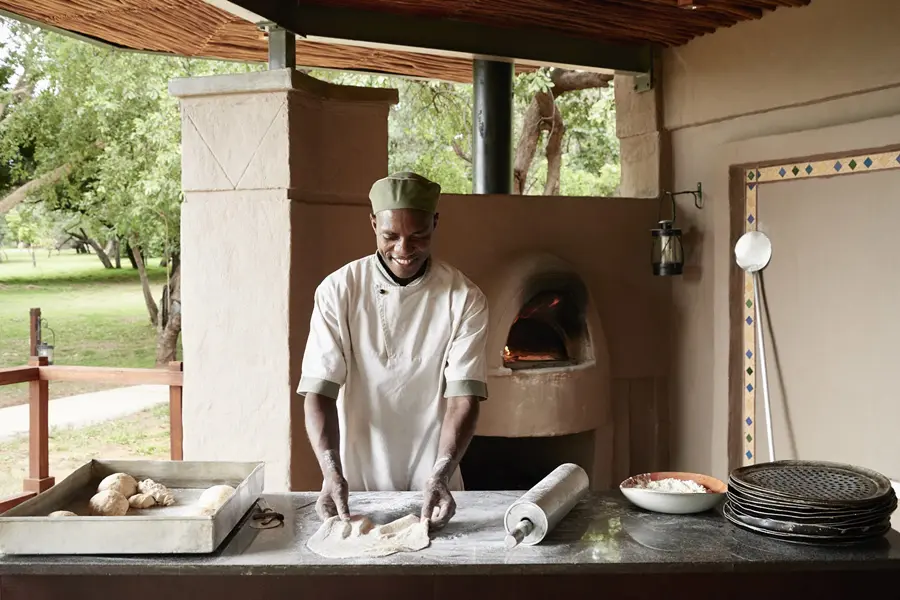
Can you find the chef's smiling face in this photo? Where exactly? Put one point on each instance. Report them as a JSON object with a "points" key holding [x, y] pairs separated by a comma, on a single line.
{"points": [[404, 237]]}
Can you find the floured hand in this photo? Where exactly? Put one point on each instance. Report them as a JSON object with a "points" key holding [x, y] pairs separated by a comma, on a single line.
{"points": [[438, 506], [334, 498]]}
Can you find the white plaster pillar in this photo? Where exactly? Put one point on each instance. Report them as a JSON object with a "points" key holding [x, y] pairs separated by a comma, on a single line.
{"points": [[256, 147], [641, 141]]}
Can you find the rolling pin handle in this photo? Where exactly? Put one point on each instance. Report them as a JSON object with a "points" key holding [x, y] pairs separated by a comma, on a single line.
{"points": [[518, 534]]}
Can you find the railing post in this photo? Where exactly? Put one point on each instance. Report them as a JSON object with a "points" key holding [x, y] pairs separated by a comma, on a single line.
{"points": [[38, 479], [35, 331], [176, 433]]}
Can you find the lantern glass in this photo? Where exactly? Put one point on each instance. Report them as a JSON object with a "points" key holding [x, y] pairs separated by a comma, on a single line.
{"points": [[45, 350], [667, 253]]}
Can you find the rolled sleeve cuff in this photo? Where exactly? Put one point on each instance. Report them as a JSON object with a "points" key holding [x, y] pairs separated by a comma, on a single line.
{"points": [[323, 387], [466, 387]]}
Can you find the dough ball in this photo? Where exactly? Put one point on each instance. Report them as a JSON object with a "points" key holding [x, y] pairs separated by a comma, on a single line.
{"points": [[213, 498], [141, 501], [123, 483], [62, 513], [160, 493], [109, 503]]}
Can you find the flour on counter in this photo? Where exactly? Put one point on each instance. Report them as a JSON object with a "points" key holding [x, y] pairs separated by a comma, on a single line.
{"points": [[359, 537], [678, 486]]}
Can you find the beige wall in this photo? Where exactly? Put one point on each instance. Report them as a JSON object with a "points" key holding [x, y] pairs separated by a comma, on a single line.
{"points": [[828, 49], [831, 325], [800, 82]]}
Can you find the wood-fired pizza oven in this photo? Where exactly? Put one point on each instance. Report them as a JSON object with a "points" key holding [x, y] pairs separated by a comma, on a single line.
{"points": [[548, 380]]}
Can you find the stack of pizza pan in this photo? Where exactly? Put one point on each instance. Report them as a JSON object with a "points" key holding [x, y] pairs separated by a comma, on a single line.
{"points": [[810, 502]]}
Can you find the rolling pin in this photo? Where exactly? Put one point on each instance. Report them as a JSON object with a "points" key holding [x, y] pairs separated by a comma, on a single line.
{"points": [[529, 519]]}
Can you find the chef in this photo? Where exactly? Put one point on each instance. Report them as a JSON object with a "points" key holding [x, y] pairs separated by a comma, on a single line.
{"points": [[394, 368]]}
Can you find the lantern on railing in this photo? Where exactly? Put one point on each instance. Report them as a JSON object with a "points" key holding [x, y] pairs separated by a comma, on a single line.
{"points": [[44, 349], [667, 251]]}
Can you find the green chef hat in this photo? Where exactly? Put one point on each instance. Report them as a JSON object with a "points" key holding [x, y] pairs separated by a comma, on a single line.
{"points": [[404, 190]]}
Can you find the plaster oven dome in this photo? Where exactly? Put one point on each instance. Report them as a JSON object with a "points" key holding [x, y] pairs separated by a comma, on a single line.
{"points": [[547, 356]]}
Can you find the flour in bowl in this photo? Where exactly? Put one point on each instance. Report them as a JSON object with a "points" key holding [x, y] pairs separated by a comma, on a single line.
{"points": [[678, 486]]}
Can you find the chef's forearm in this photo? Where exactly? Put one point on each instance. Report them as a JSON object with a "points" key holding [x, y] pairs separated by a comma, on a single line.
{"points": [[323, 430], [457, 430]]}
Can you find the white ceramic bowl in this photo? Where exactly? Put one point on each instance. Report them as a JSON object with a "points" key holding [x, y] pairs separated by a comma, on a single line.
{"points": [[673, 503]]}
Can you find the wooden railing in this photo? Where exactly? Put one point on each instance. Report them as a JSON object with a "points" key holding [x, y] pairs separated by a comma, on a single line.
{"points": [[38, 374]]}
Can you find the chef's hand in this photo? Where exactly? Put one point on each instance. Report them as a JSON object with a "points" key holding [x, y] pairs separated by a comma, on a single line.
{"points": [[438, 497], [333, 499]]}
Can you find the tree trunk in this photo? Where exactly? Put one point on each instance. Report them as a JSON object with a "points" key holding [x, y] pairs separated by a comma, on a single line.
{"points": [[117, 248], [554, 155], [129, 252], [145, 285], [542, 115], [19, 194], [528, 142], [170, 329], [100, 253]]}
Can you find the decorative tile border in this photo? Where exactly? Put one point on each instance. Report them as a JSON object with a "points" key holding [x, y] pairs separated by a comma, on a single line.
{"points": [[754, 178]]}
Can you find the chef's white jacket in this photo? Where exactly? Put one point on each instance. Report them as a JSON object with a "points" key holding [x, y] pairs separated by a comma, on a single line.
{"points": [[391, 355]]}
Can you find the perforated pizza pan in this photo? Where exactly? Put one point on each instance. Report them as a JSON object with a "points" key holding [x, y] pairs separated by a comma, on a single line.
{"points": [[888, 502], [814, 540], [821, 482], [844, 519]]}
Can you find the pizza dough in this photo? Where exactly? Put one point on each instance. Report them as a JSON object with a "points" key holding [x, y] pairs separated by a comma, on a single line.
{"points": [[141, 501], [160, 493], [109, 503], [359, 537], [62, 513], [211, 499], [123, 483]]}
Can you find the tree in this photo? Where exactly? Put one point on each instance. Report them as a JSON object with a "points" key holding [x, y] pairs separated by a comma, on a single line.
{"points": [[95, 138], [545, 115]]}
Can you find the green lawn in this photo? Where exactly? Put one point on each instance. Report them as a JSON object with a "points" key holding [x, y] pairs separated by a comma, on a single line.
{"points": [[142, 435], [97, 314], [99, 318]]}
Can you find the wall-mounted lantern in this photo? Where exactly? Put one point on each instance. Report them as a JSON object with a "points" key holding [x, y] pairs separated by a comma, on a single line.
{"points": [[667, 251], [44, 349]]}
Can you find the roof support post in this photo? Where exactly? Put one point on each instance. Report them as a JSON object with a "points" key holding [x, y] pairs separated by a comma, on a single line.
{"points": [[282, 48], [492, 124]]}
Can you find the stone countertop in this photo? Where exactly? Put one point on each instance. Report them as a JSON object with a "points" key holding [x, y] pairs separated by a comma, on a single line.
{"points": [[603, 534]]}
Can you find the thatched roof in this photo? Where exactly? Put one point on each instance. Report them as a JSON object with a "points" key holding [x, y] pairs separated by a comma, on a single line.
{"points": [[195, 28]]}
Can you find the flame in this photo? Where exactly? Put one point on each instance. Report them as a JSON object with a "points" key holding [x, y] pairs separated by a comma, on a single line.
{"points": [[506, 352]]}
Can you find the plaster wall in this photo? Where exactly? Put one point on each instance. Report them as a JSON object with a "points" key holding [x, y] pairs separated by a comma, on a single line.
{"points": [[801, 82]]}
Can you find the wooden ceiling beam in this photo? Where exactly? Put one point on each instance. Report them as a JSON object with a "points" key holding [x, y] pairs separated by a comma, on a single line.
{"points": [[199, 29], [443, 37]]}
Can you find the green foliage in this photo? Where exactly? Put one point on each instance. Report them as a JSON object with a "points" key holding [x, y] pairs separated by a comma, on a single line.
{"points": [[431, 132], [23, 229], [108, 115]]}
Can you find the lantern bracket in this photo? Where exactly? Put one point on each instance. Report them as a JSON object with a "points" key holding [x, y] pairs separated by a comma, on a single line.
{"points": [[697, 194]]}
